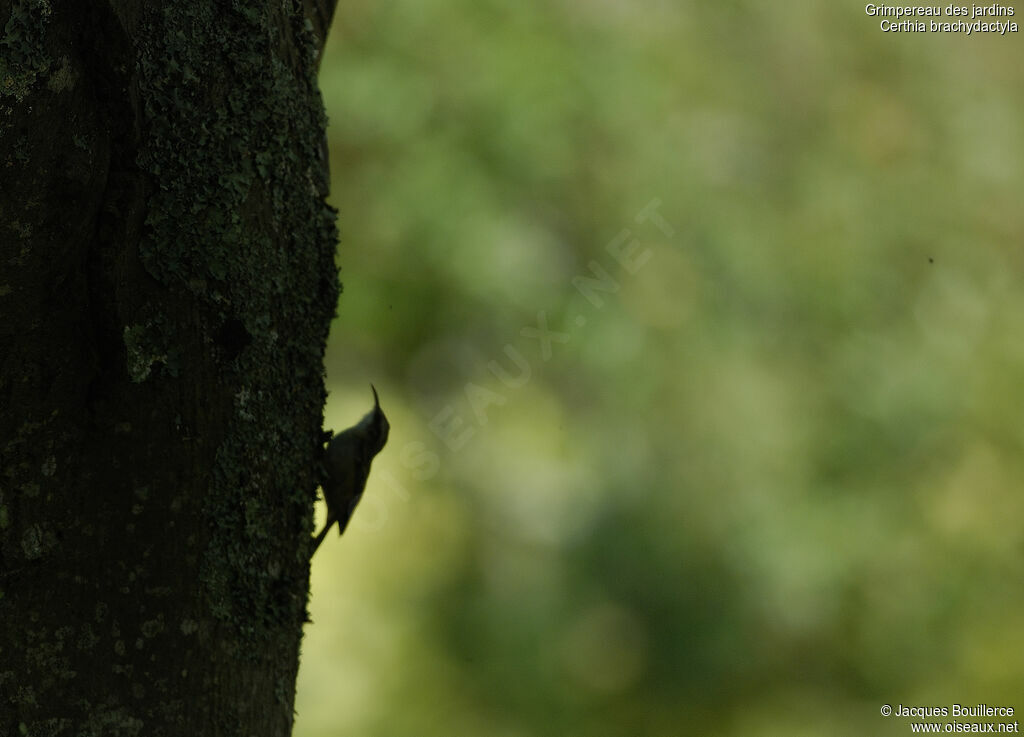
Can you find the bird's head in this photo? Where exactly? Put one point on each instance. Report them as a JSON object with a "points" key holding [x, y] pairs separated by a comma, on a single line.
{"points": [[376, 426]]}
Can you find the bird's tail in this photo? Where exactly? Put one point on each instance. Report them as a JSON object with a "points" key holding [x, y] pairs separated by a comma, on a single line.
{"points": [[323, 533]]}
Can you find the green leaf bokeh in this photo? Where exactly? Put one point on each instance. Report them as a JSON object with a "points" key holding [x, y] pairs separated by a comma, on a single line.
{"points": [[770, 483]]}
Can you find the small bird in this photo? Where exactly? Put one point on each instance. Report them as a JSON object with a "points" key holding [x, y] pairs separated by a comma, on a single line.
{"points": [[347, 465]]}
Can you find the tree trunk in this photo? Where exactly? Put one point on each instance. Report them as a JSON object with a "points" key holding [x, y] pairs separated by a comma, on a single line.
{"points": [[166, 285]]}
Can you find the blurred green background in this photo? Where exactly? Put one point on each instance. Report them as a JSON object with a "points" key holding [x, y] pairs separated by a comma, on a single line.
{"points": [[770, 483]]}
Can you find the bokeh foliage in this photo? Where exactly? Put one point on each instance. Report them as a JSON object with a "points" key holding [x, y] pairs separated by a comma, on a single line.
{"points": [[773, 482]]}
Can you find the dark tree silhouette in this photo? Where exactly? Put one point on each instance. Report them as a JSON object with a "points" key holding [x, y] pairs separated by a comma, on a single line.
{"points": [[166, 285]]}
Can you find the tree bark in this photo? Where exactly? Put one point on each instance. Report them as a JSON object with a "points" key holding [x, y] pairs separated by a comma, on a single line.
{"points": [[166, 286]]}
